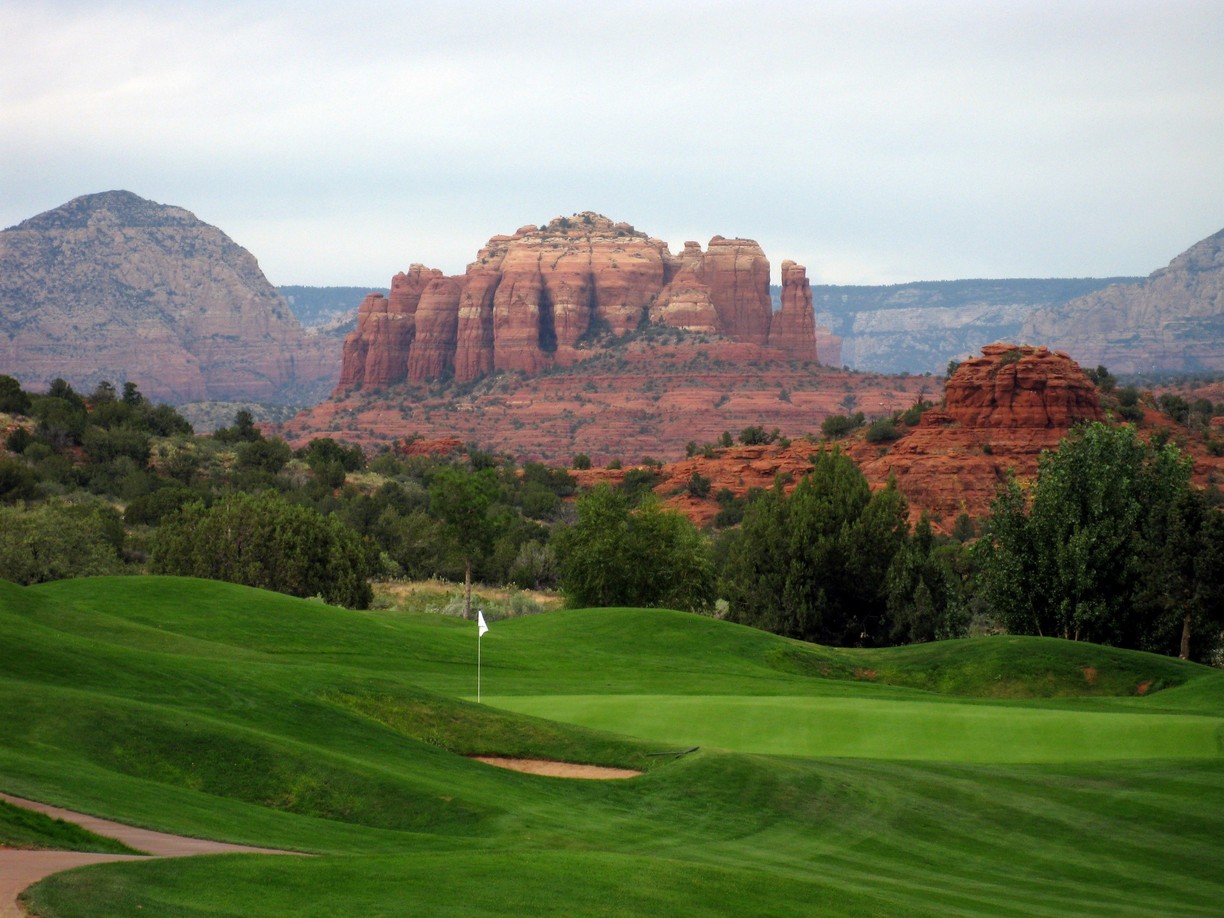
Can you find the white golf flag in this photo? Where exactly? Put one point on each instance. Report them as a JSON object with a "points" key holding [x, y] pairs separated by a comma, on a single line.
{"points": [[483, 626]]}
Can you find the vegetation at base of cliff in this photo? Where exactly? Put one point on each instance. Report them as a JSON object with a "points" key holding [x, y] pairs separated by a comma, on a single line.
{"points": [[1112, 545], [108, 483]]}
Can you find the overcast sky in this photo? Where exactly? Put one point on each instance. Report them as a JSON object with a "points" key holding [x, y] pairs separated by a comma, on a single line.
{"points": [[874, 142]]}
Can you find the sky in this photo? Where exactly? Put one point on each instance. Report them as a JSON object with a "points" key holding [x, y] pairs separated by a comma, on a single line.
{"points": [[874, 142]]}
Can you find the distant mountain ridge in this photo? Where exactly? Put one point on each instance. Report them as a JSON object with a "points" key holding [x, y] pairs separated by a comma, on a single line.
{"points": [[113, 286], [327, 308], [1171, 321], [918, 327]]}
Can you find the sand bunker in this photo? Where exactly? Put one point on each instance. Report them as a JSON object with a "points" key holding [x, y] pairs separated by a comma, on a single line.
{"points": [[557, 769]]}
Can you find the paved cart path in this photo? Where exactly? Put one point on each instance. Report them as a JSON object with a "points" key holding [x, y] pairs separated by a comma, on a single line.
{"points": [[20, 868]]}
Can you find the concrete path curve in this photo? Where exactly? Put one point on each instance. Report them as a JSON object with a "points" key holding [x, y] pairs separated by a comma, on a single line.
{"points": [[21, 868]]}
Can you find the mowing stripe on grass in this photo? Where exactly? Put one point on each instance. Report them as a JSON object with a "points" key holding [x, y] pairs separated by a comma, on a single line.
{"points": [[883, 729]]}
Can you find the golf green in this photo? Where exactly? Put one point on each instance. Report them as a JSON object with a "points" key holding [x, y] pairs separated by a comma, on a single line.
{"points": [[873, 729]]}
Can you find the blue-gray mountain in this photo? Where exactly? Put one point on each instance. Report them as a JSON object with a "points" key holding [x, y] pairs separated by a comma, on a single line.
{"points": [[112, 286], [918, 327], [1171, 322]]}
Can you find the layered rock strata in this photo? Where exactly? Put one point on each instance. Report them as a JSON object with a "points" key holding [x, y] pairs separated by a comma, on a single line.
{"points": [[1172, 321], [112, 286], [534, 299], [1000, 411]]}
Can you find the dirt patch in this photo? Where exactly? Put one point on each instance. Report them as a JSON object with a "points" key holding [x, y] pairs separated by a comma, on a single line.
{"points": [[557, 769], [1142, 687], [1090, 675]]}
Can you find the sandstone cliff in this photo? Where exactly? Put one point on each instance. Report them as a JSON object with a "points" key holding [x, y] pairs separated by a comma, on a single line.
{"points": [[1173, 321], [649, 395], [537, 298], [112, 286]]}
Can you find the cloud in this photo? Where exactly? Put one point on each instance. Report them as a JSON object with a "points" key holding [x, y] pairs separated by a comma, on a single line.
{"points": [[875, 142]]}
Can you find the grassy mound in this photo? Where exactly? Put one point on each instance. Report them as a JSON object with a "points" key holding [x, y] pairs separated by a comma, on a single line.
{"points": [[22, 828], [213, 710]]}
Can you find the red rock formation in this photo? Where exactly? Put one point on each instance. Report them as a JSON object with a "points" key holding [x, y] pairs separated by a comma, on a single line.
{"points": [[793, 328], [531, 301], [1001, 410], [1029, 387], [644, 397], [437, 319], [474, 343], [738, 274], [376, 353]]}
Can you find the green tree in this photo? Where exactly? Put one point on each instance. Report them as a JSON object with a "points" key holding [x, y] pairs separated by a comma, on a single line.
{"points": [[813, 564], [61, 421], [243, 430], [461, 500], [264, 455], [1068, 562], [1180, 597], [617, 556], [926, 593], [13, 400], [18, 482], [260, 540], [57, 541]]}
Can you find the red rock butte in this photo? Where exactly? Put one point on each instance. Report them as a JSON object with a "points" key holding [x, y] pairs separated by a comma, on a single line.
{"points": [[531, 300], [1000, 411]]}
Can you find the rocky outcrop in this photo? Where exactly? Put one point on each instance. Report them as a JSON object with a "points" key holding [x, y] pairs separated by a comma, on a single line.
{"points": [[1173, 321], [112, 286], [793, 328], [738, 274], [1000, 411], [432, 354], [537, 298], [646, 396], [1021, 386]]}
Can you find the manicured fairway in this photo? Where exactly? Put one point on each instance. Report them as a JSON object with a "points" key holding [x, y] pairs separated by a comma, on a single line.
{"points": [[1002, 776], [882, 729]]}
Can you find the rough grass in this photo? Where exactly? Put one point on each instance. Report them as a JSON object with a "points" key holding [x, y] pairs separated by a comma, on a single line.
{"points": [[22, 828], [229, 713]]}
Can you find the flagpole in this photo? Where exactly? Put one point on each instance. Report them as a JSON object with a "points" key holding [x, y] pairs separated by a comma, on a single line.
{"points": [[481, 628]]}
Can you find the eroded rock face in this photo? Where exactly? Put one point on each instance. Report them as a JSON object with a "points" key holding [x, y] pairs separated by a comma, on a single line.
{"points": [[738, 274], [793, 328], [1001, 410], [1021, 386], [112, 286], [1172, 321], [532, 299]]}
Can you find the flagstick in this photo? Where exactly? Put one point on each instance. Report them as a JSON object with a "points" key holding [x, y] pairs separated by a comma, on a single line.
{"points": [[481, 628]]}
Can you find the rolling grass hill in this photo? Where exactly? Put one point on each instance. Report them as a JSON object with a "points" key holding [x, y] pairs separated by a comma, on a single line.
{"points": [[999, 776]]}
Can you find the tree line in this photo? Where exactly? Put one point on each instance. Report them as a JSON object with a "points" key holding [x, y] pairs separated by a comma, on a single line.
{"points": [[1109, 543]]}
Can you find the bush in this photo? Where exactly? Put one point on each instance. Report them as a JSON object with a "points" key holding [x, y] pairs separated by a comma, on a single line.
{"points": [[836, 426], [59, 541], [582, 461], [698, 485], [262, 541], [882, 431]]}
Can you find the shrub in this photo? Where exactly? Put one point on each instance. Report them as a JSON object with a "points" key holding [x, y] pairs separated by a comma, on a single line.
{"points": [[882, 431], [698, 485]]}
